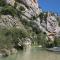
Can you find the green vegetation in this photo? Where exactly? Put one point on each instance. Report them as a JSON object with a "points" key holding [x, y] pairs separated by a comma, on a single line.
{"points": [[43, 16], [2, 3], [5, 39], [22, 8], [57, 41], [8, 38], [58, 19], [59, 23], [8, 10]]}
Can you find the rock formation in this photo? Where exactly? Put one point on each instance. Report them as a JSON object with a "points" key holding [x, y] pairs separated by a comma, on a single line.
{"points": [[11, 2], [22, 13], [31, 9]]}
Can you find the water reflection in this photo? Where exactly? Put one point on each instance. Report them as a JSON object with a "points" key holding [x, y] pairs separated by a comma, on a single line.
{"points": [[34, 54]]}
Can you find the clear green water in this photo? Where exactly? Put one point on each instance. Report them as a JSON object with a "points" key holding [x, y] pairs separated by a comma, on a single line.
{"points": [[34, 54]]}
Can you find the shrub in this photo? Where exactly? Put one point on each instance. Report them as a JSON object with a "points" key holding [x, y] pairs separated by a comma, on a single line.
{"points": [[21, 33], [5, 39], [57, 42], [22, 8], [39, 39], [8, 38], [41, 16], [2, 3], [9, 10]]}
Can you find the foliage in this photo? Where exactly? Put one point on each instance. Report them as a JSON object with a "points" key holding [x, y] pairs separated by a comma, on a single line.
{"points": [[21, 33], [2, 3], [43, 16], [5, 39], [8, 38], [39, 39], [58, 19], [9, 10], [57, 41], [54, 43], [34, 18], [22, 8]]}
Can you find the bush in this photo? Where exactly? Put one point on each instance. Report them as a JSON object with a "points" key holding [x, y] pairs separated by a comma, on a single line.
{"points": [[22, 8], [54, 43], [9, 10], [5, 39], [8, 38], [18, 33], [2, 3], [57, 42], [58, 19], [39, 39], [43, 16]]}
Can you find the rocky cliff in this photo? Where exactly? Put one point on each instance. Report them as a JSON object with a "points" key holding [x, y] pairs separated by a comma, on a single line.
{"points": [[18, 13]]}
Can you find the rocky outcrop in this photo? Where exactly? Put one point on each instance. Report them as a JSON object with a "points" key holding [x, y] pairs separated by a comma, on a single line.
{"points": [[11, 2], [29, 10], [52, 25], [32, 6], [9, 21]]}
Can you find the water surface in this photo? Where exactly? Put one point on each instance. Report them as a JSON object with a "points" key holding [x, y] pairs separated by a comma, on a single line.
{"points": [[34, 54]]}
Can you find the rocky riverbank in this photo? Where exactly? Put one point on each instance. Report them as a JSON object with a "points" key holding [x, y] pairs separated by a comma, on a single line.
{"points": [[7, 52]]}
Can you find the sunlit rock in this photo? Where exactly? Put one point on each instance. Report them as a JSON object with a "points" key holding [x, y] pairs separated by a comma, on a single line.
{"points": [[11, 2]]}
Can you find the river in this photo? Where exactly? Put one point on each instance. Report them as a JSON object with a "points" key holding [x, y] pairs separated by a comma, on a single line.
{"points": [[34, 53]]}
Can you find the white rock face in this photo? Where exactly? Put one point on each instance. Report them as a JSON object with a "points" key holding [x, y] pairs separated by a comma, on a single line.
{"points": [[33, 7], [32, 4], [51, 28], [11, 2], [7, 21], [51, 23]]}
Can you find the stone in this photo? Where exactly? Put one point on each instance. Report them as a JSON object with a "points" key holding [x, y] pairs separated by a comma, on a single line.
{"points": [[13, 51], [5, 52], [11, 2], [33, 8], [54, 49], [9, 21]]}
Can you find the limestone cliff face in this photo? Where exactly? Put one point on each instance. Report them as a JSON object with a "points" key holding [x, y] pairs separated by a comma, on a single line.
{"points": [[31, 4], [29, 11], [7, 21], [50, 26]]}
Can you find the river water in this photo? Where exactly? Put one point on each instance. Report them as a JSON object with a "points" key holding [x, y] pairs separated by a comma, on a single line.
{"points": [[34, 53]]}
